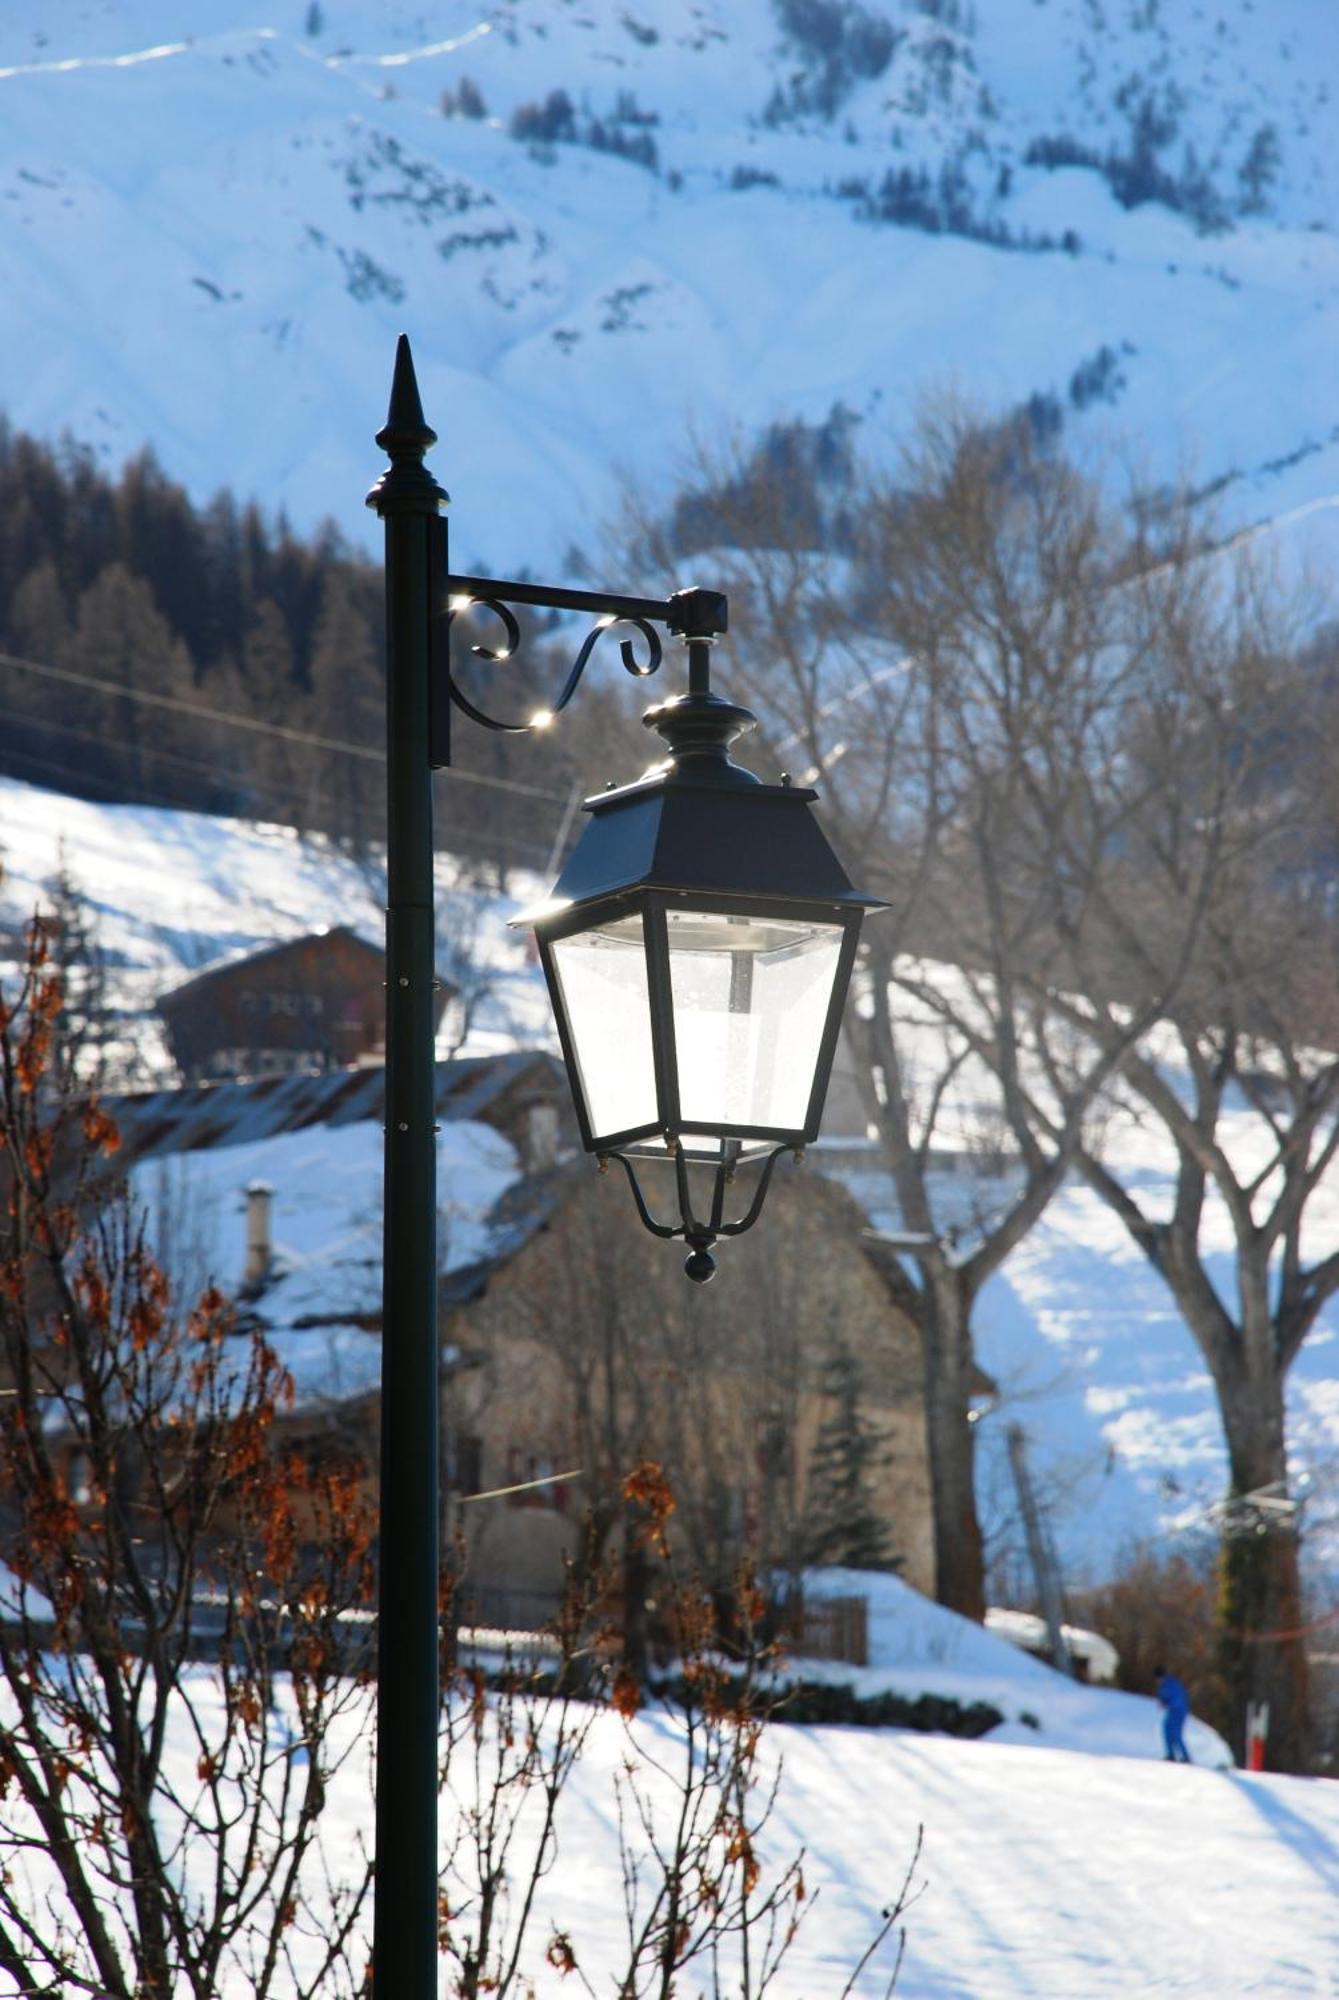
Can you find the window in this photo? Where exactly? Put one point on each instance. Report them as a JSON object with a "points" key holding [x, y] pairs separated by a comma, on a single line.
{"points": [[464, 1464], [524, 1468]]}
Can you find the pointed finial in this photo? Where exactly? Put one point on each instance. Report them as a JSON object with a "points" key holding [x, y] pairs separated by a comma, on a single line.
{"points": [[405, 423], [404, 437]]}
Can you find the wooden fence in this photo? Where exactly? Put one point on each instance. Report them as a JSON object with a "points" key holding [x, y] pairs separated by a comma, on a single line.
{"points": [[827, 1628]]}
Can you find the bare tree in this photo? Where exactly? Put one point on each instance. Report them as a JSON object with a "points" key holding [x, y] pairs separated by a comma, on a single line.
{"points": [[728, 1387], [949, 673], [163, 1826], [694, 1814], [1227, 872]]}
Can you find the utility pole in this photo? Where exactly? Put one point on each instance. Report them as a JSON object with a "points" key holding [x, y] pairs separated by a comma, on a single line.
{"points": [[1039, 1551]]}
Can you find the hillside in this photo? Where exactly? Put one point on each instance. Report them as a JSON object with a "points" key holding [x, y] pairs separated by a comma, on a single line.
{"points": [[171, 892], [644, 225], [1084, 1343]]}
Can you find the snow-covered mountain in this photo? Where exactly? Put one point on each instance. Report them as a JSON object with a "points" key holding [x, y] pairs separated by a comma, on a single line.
{"points": [[652, 222]]}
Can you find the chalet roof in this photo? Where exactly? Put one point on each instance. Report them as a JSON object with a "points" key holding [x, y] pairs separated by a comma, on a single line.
{"points": [[320, 1302], [157, 1122], [522, 1211], [200, 982], [316, 1142]]}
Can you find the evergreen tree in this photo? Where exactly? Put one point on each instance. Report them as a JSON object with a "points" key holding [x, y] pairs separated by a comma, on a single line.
{"points": [[276, 766], [844, 1525], [160, 539], [33, 709], [346, 794], [77, 961], [122, 637], [1259, 171], [120, 579]]}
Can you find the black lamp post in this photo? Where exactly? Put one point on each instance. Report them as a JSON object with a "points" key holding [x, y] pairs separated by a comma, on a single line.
{"points": [[698, 945]]}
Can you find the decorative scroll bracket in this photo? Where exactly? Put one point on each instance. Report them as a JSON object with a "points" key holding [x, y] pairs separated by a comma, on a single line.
{"points": [[699, 1235], [697, 616]]}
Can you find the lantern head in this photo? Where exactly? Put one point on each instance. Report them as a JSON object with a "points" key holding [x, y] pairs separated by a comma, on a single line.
{"points": [[698, 945]]}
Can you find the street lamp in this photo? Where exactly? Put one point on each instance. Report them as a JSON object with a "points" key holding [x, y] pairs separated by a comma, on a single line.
{"points": [[697, 946]]}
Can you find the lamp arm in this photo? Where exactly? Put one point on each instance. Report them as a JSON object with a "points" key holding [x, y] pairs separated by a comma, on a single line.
{"points": [[695, 615], [639, 668]]}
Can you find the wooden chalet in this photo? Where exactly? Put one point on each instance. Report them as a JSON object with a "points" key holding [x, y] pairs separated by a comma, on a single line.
{"points": [[304, 1006]]}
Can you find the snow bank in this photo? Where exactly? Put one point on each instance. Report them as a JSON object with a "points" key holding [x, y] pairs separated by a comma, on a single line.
{"points": [[917, 1647]]}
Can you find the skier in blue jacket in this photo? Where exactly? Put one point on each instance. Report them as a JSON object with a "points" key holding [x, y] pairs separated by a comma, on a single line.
{"points": [[1175, 1708]]}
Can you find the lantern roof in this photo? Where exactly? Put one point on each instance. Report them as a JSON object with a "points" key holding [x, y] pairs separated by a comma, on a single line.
{"points": [[701, 824]]}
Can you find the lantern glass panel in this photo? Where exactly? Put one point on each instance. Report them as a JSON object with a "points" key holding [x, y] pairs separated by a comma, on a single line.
{"points": [[601, 975], [751, 997]]}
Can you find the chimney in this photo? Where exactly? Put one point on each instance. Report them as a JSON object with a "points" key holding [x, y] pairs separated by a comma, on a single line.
{"points": [[541, 1136], [259, 1236]]}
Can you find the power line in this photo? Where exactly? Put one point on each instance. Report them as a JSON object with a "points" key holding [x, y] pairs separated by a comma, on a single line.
{"points": [[528, 852], [45, 726], [33, 762], [200, 711]]}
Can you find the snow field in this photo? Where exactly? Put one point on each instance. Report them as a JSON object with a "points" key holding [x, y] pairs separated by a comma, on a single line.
{"points": [[1047, 1873]]}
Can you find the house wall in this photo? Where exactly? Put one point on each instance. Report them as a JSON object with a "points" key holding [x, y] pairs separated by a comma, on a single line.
{"points": [[321, 999], [591, 1350]]}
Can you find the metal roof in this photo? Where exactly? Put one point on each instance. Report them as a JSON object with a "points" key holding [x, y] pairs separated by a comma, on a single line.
{"points": [[157, 1122]]}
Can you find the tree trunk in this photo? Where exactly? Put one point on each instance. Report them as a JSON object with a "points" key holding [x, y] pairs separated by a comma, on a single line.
{"points": [[1261, 1647], [636, 1581], [946, 1339]]}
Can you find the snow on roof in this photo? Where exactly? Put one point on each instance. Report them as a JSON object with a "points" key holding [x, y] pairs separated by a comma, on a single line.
{"points": [[229, 1114], [1027, 1630], [321, 1305]]}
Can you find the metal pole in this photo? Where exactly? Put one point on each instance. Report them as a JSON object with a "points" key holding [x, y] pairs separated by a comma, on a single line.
{"points": [[404, 1943], [1043, 1562]]}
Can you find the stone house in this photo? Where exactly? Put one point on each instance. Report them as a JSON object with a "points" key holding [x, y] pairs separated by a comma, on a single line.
{"points": [[572, 1345], [581, 1349]]}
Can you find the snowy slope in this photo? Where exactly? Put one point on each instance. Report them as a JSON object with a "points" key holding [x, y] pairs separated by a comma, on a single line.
{"points": [[1097, 1365], [917, 1647], [1072, 1866], [171, 892], [1093, 1360], [215, 221]]}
